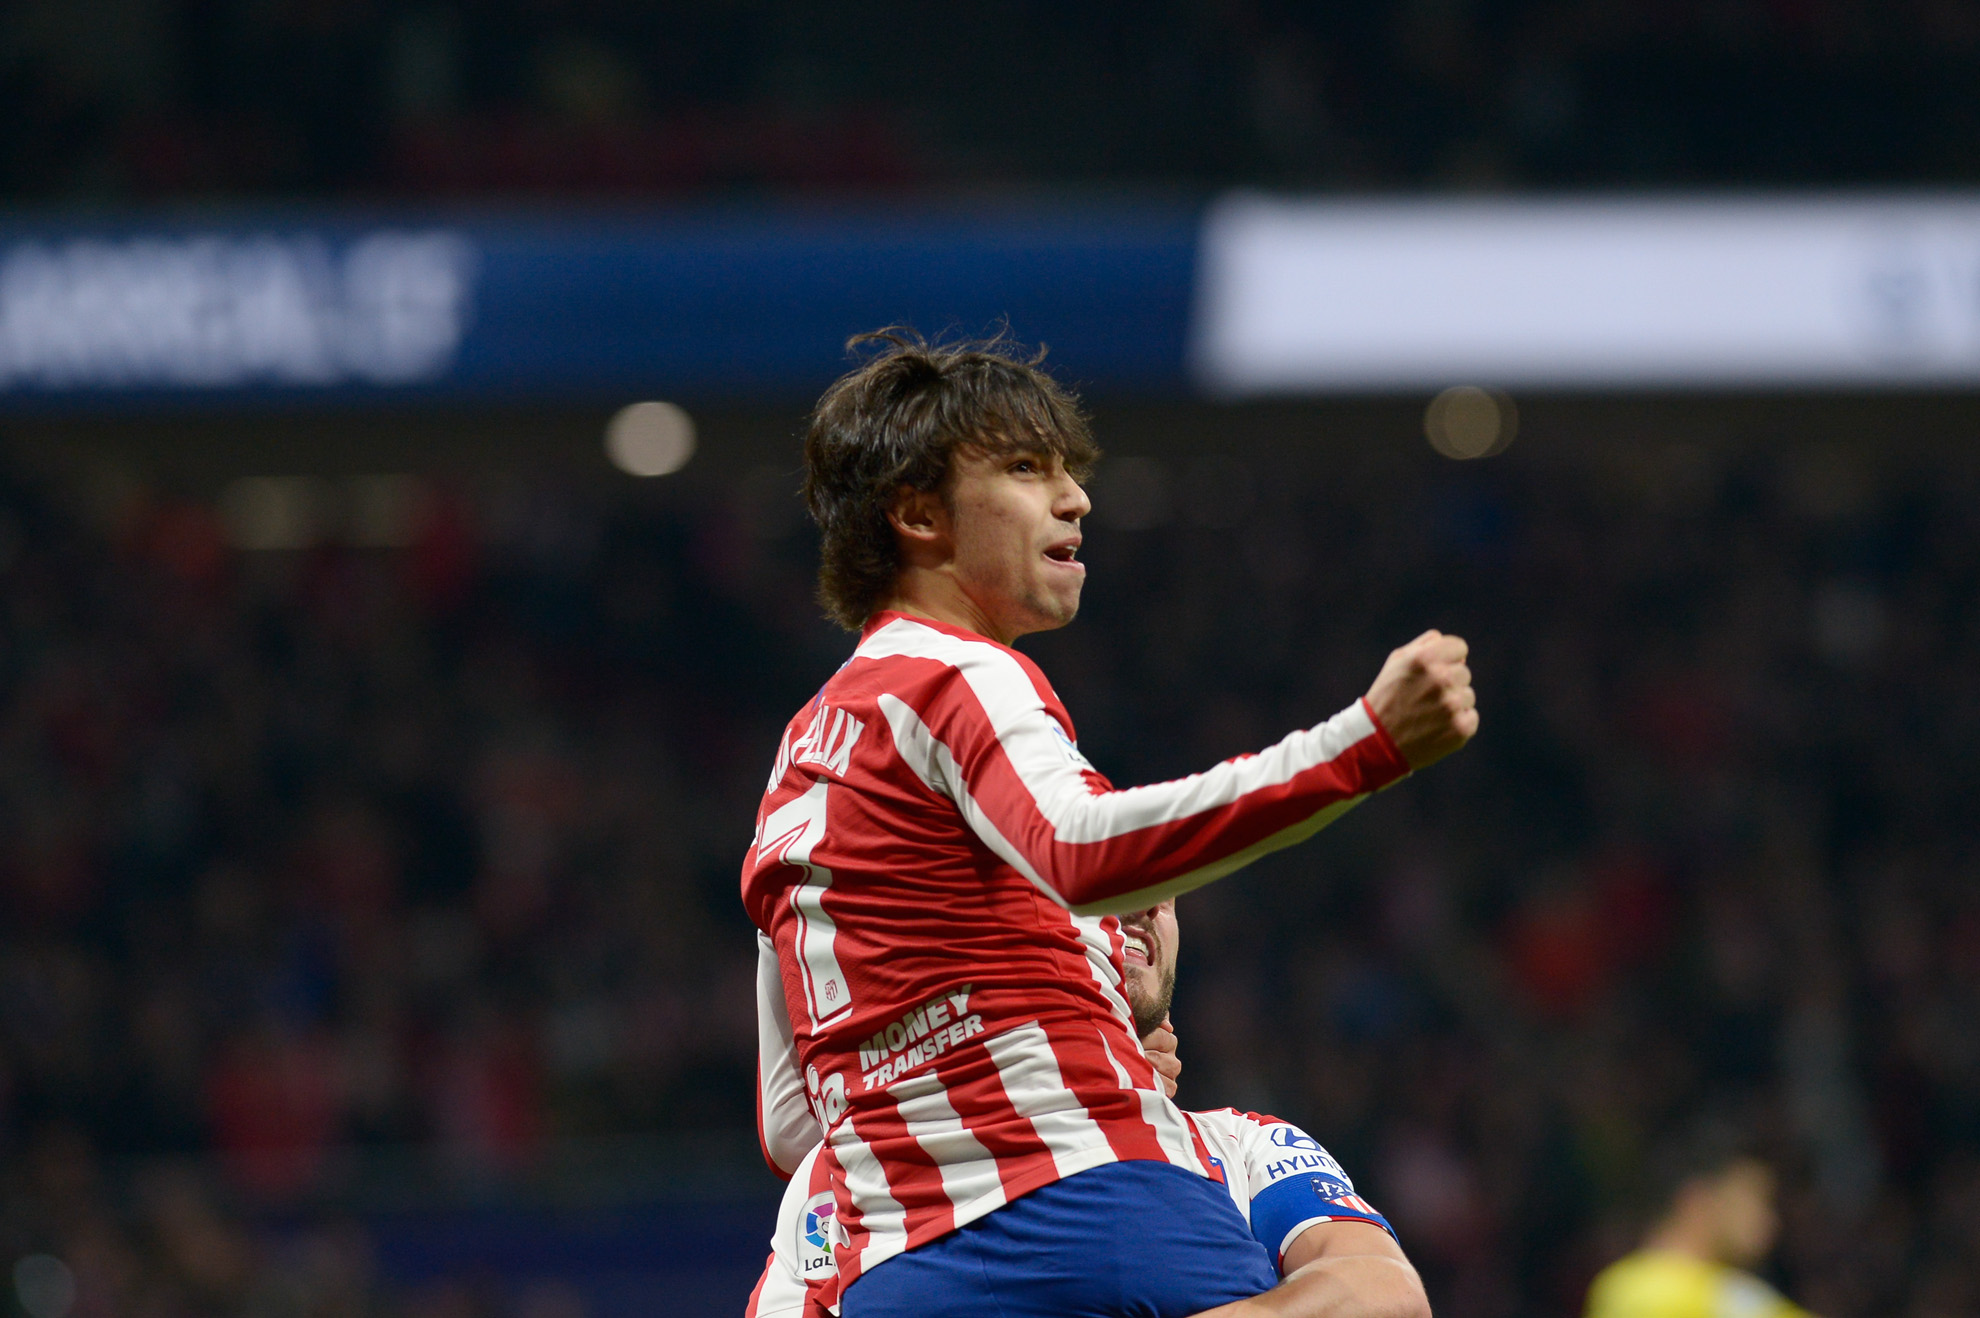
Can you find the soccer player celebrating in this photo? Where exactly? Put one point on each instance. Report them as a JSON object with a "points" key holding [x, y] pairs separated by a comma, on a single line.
{"points": [[1338, 1255], [934, 861]]}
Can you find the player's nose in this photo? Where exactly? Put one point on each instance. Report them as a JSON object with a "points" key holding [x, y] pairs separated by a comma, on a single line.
{"points": [[1073, 502]]}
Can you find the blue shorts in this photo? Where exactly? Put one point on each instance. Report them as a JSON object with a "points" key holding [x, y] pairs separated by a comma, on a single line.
{"points": [[1121, 1240]]}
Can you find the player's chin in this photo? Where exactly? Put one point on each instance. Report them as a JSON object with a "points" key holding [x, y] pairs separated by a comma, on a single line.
{"points": [[1055, 608]]}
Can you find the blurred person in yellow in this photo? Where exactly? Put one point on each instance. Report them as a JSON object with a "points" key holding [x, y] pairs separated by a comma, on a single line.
{"points": [[1717, 1222]]}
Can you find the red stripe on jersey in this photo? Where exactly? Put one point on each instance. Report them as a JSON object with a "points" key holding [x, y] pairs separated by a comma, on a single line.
{"points": [[990, 1118], [851, 1210], [1087, 1066], [913, 1176]]}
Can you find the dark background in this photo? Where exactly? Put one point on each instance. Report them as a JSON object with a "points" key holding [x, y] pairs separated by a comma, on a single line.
{"points": [[175, 98], [370, 939]]}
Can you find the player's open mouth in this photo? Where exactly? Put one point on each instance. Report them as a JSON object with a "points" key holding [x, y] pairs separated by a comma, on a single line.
{"points": [[1066, 554], [1136, 953]]}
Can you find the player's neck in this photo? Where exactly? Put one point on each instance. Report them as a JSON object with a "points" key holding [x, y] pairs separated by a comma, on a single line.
{"points": [[1683, 1233], [937, 596]]}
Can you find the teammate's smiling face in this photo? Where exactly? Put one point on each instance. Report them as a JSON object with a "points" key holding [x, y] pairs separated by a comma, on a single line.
{"points": [[1010, 521], [1150, 958]]}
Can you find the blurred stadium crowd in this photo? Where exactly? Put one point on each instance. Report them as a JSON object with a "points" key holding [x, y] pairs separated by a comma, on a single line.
{"points": [[147, 98], [341, 850]]}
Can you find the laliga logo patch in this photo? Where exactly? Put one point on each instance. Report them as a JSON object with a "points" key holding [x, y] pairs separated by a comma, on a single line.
{"points": [[818, 1220], [1066, 745]]}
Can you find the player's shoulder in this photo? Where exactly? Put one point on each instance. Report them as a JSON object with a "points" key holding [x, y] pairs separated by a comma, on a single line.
{"points": [[1226, 1120], [899, 647], [1652, 1281], [1254, 1134], [1273, 1147], [909, 659], [1260, 1125], [1743, 1295], [901, 636]]}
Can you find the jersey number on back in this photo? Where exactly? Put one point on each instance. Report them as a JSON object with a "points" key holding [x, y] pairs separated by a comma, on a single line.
{"points": [[789, 835]]}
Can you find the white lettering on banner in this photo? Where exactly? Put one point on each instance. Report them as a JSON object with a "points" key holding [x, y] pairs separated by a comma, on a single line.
{"points": [[788, 836], [919, 1037], [211, 311]]}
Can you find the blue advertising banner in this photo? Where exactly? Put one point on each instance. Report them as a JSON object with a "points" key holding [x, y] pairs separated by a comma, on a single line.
{"points": [[696, 305], [1250, 296]]}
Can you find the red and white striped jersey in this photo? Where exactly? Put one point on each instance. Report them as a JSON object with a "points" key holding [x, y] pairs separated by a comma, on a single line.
{"points": [[933, 867]]}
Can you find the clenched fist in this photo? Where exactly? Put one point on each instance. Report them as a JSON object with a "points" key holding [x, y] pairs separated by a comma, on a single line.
{"points": [[1423, 697]]}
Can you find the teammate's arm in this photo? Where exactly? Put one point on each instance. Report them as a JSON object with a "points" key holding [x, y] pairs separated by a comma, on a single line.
{"points": [[1337, 1252], [1339, 1270]]}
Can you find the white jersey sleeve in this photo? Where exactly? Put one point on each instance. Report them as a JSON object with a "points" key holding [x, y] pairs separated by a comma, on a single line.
{"points": [[1281, 1179], [786, 1126]]}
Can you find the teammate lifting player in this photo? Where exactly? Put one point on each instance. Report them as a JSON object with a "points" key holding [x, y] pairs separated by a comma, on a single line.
{"points": [[1339, 1255], [934, 859]]}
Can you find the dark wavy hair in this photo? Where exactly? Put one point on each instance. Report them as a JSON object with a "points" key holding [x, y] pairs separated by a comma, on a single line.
{"points": [[894, 421]]}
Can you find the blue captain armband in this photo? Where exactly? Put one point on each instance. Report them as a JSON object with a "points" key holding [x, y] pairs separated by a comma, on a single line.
{"points": [[1286, 1207]]}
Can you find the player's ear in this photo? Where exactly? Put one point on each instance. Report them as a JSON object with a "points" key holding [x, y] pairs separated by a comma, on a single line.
{"points": [[918, 514]]}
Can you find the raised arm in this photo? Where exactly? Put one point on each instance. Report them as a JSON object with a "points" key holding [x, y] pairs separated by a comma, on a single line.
{"points": [[981, 731]]}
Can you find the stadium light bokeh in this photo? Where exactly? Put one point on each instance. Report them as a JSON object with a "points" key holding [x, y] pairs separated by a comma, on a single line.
{"points": [[650, 439]]}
